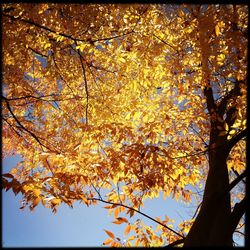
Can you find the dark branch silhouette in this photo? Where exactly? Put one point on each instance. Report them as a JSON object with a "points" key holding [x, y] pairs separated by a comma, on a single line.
{"points": [[137, 211]]}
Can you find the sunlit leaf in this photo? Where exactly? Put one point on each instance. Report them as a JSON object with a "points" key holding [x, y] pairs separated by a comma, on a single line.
{"points": [[127, 230], [110, 234]]}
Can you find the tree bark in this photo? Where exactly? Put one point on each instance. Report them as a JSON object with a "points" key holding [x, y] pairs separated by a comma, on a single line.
{"points": [[212, 225]]}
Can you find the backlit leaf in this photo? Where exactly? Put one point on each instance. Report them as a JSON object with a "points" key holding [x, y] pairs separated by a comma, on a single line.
{"points": [[110, 234]]}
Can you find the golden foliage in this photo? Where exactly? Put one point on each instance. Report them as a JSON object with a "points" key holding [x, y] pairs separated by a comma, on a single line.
{"points": [[107, 96]]}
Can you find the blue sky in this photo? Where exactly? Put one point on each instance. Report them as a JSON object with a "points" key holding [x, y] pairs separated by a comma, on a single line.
{"points": [[80, 226]]}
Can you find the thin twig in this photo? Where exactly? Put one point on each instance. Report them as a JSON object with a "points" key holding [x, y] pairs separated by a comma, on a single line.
{"points": [[166, 43], [25, 129], [86, 87], [133, 209]]}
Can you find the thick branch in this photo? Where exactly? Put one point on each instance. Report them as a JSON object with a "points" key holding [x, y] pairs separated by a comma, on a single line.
{"points": [[237, 138], [208, 93], [237, 213], [237, 174], [233, 93], [137, 211], [197, 209], [236, 181]]}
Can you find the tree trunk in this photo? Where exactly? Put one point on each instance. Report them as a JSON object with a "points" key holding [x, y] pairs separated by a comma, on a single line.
{"points": [[212, 226]]}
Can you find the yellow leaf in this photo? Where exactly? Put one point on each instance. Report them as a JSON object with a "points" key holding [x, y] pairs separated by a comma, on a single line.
{"points": [[85, 200], [127, 229], [217, 30], [128, 116], [137, 115], [56, 201], [107, 241], [137, 243], [116, 212], [239, 166], [132, 237], [121, 59], [221, 57], [226, 126], [108, 207], [37, 192], [179, 154], [145, 118], [110, 234], [47, 45], [232, 132], [27, 188]]}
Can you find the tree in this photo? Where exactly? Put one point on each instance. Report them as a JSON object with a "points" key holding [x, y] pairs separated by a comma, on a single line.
{"points": [[133, 101]]}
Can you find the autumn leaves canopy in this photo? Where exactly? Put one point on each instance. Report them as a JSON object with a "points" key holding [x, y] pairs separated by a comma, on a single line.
{"points": [[110, 99]]}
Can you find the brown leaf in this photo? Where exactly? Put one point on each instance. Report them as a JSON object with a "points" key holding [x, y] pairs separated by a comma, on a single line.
{"points": [[8, 175], [120, 220], [110, 234], [36, 202]]}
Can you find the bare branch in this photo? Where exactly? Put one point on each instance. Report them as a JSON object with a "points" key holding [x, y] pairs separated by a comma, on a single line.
{"points": [[237, 138], [28, 96], [36, 52], [237, 174], [120, 204], [239, 232], [197, 209], [237, 213], [233, 93], [63, 34], [166, 43], [237, 180], [42, 27]]}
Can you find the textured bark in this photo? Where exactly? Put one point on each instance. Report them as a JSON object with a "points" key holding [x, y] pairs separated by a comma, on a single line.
{"points": [[212, 225]]}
